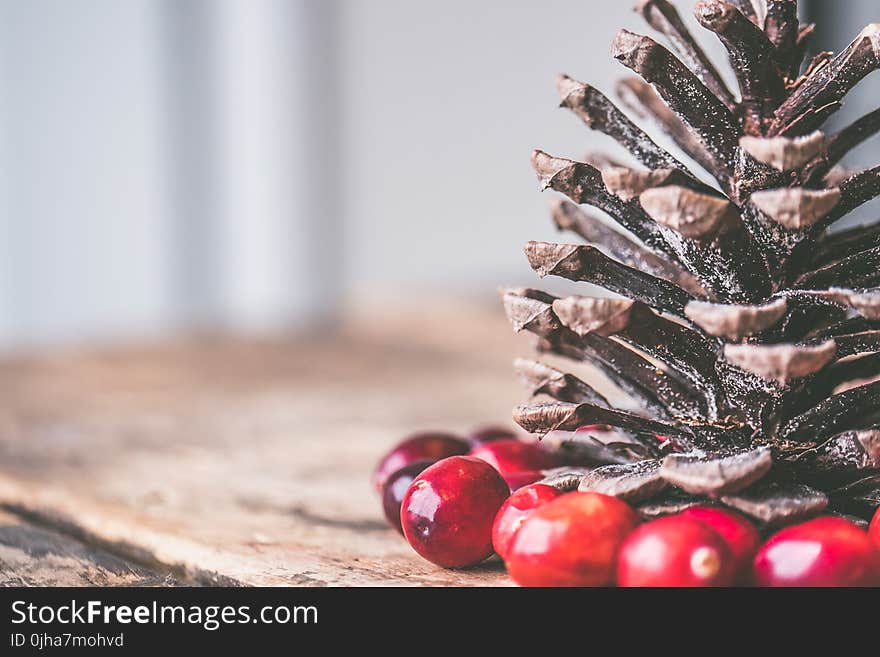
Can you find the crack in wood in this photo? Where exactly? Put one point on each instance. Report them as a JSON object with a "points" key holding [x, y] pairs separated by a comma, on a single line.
{"points": [[301, 513], [122, 550]]}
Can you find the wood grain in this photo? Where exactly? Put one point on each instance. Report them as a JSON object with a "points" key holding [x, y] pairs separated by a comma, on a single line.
{"points": [[228, 461], [32, 555]]}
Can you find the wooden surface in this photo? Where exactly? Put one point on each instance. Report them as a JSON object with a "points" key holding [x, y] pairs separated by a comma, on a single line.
{"points": [[221, 461], [35, 555]]}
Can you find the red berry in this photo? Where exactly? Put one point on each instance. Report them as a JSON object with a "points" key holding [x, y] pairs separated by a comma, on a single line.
{"points": [[395, 488], [517, 480], [593, 428], [874, 529], [675, 551], [509, 456], [570, 541], [740, 535], [490, 434], [428, 446], [448, 511], [514, 512], [825, 551]]}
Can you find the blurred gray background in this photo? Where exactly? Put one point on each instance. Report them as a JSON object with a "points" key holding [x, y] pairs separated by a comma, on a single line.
{"points": [[254, 165]]}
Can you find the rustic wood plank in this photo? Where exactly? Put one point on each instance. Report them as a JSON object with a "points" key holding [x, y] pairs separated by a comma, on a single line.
{"points": [[32, 555], [230, 461]]}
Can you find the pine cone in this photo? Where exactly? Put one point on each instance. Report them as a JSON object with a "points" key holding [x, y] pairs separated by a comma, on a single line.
{"points": [[743, 330]]}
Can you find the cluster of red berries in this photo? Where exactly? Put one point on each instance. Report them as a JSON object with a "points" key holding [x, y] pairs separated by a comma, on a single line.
{"points": [[457, 501]]}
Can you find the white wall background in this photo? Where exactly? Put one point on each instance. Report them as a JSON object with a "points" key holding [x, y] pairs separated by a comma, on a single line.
{"points": [[85, 220], [254, 164], [447, 100]]}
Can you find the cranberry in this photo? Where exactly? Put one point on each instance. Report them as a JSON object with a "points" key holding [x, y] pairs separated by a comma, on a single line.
{"points": [[825, 551], [490, 434], [675, 551], [740, 535], [593, 428], [570, 541], [431, 446], [448, 511], [514, 512], [517, 480], [395, 488], [874, 529], [509, 456]]}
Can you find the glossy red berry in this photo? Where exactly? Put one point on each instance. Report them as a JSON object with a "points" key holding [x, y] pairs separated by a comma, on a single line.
{"points": [[428, 446], [675, 551], [448, 511], [514, 512], [570, 541], [490, 434], [825, 551], [517, 480], [511, 456], [741, 536], [395, 488], [874, 529]]}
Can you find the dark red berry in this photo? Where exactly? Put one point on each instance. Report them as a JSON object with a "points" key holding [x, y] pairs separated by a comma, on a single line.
{"points": [[874, 529], [428, 446], [510, 456], [490, 434], [570, 541], [517, 480], [825, 551], [675, 551], [514, 512], [741, 536], [395, 488], [448, 511]]}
